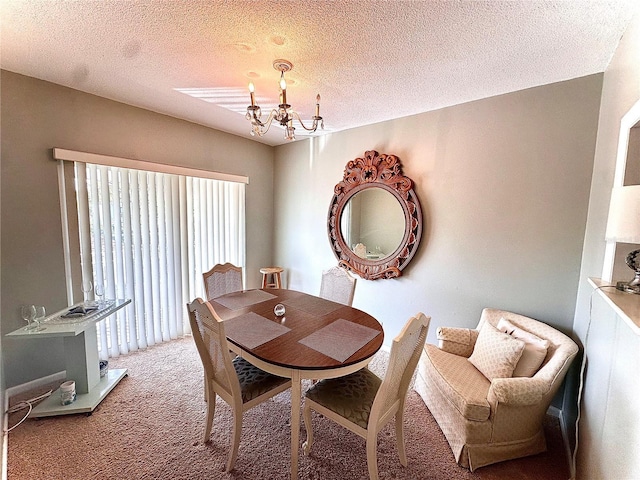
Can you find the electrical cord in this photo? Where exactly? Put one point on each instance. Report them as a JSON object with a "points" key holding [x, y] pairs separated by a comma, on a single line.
{"points": [[25, 404], [581, 387]]}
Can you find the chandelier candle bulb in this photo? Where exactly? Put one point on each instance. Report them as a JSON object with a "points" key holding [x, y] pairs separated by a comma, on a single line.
{"points": [[251, 90], [318, 105], [283, 86]]}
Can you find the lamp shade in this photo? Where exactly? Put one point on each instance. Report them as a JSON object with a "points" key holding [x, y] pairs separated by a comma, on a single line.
{"points": [[623, 224]]}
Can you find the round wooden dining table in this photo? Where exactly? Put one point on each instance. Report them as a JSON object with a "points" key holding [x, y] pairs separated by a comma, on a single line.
{"points": [[314, 339]]}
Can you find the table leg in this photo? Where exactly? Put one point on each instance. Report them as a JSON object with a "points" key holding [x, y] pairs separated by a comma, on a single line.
{"points": [[81, 359], [296, 398]]}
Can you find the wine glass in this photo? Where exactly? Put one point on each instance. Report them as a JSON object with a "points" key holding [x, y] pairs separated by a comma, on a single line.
{"points": [[28, 314], [99, 290], [40, 313], [86, 289]]}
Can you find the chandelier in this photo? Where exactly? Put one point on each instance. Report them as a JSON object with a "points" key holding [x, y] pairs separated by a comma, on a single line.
{"points": [[284, 114]]}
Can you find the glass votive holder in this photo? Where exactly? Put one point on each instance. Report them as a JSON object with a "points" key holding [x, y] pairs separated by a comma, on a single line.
{"points": [[279, 310]]}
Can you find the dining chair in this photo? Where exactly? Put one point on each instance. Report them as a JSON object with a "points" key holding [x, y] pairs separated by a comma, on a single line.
{"points": [[240, 384], [222, 279], [363, 402], [338, 285]]}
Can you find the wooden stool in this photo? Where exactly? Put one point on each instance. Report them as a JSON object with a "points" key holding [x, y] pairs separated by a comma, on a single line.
{"points": [[276, 281]]}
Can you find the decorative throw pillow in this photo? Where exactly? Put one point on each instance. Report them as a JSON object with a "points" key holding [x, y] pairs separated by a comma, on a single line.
{"points": [[457, 340], [496, 353], [535, 349]]}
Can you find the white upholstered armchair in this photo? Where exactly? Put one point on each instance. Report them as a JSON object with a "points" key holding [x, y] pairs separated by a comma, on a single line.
{"points": [[468, 382]]}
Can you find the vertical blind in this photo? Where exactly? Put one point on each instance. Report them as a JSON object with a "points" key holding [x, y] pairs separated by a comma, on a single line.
{"points": [[149, 236]]}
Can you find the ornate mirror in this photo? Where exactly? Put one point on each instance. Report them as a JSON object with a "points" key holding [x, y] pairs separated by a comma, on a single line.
{"points": [[375, 220]]}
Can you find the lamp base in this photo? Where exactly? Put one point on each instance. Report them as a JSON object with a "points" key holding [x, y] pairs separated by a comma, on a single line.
{"points": [[630, 287], [625, 287]]}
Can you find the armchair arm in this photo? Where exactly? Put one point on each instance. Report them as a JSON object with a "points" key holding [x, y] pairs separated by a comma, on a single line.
{"points": [[459, 341], [517, 391]]}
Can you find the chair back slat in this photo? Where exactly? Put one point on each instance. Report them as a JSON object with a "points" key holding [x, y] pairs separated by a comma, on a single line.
{"points": [[338, 286], [222, 279], [403, 359], [211, 342]]}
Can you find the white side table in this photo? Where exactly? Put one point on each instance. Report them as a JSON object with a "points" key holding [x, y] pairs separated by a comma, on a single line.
{"points": [[81, 359]]}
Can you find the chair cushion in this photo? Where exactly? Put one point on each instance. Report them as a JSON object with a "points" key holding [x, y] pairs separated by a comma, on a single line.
{"points": [[351, 396], [254, 381], [460, 382], [496, 353], [535, 349]]}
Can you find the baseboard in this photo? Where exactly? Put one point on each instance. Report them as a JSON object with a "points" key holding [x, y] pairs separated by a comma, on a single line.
{"points": [[556, 412], [11, 392], [38, 382]]}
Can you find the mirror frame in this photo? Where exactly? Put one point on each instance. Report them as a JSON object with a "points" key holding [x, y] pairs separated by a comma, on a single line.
{"points": [[384, 171]]}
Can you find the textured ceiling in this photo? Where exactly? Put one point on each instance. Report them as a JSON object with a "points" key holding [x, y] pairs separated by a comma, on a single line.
{"points": [[370, 60]]}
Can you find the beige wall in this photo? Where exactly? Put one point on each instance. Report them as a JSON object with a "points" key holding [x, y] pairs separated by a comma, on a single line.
{"points": [[37, 116], [609, 439], [504, 186]]}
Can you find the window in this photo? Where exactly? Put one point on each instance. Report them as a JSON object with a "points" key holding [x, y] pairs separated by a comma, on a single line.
{"points": [[149, 236]]}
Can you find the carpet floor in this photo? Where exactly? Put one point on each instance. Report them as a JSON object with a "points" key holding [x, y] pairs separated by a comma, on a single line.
{"points": [[151, 426]]}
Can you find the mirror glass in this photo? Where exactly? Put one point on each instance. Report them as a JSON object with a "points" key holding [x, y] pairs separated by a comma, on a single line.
{"points": [[373, 218], [631, 177], [627, 172]]}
